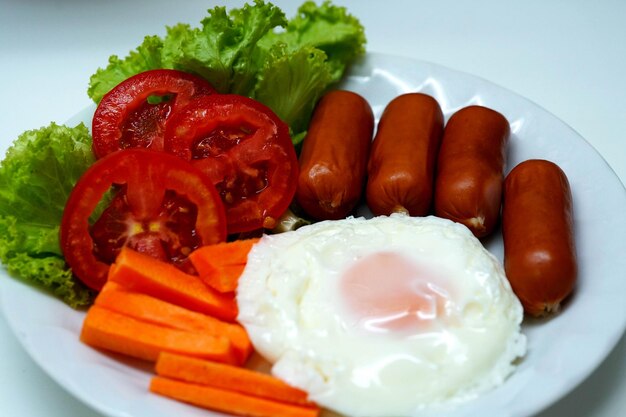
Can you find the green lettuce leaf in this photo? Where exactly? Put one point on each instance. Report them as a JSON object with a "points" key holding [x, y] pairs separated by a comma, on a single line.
{"points": [[146, 56], [36, 176], [327, 27], [301, 77], [302, 62], [222, 50], [242, 52]]}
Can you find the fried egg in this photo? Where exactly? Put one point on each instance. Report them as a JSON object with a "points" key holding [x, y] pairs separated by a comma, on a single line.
{"points": [[381, 317]]}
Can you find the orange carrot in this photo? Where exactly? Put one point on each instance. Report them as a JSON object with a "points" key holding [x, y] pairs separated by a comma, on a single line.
{"points": [[111, 286], [220, 265], [223, 278], [225, 253], [144, 274], [227, 401], [230, 378], [116, 332], [152, 310]]}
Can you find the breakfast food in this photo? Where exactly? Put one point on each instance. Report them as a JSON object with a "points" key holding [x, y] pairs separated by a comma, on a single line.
{"points": [[401, 166], [470, 168], [334, 155], [246, 151], [538, 231], [125, 118], [418, 315], [161, 206], [219, 266], [381, 317], [112, 331], [229, 377]]}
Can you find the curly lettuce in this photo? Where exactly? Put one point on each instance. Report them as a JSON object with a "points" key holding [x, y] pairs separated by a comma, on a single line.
{"points": [[254, 51], [36, 176], [147, 55], [223, 49]]}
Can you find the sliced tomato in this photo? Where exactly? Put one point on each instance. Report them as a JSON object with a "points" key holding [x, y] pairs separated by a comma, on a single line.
{"points": [[133, 114], [247, 152], [162, 206]]}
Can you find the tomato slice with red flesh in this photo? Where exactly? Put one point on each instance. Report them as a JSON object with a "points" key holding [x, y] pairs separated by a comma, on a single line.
{"points": [[162, 206], [133, 114], [247, 152]]}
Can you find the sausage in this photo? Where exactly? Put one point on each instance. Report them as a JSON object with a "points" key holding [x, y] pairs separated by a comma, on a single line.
{"points": [[401, 166], [470, 169], [538, 231], [334, 154]]}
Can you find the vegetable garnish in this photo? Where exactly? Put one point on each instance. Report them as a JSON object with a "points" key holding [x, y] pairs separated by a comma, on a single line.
{"points": [[116, 297], [36, 176], [244, 148], [254, 51], [149, 306], [119, 333], [133, 114], [220, 266], [240, 52], [230, 402], [144, 274], [162, 206], [230, 378]]}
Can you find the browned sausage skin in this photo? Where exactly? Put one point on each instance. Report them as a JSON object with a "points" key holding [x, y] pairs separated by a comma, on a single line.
{"points": [[537, 226], [334, 156], [402, 161], [470, 168]]}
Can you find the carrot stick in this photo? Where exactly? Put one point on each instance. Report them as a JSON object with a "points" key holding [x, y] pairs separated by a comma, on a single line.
{"points": [[230, 378], [227, 401], [224, 253], [144, 274], [223, 278], [220, 265], [111, 286], [152, 310], [109, 330]]}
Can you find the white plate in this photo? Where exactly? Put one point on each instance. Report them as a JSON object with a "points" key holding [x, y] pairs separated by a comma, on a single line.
{"points": [[562, 350]]}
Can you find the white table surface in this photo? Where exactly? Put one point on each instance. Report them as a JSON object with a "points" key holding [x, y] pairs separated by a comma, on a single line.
{"points": [[567, 56]]}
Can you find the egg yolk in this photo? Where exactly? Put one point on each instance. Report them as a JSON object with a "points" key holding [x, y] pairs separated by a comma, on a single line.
{"points": [[388, 292]]}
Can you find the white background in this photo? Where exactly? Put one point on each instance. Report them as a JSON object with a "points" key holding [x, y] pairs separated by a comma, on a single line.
{"points": [[567, 56]]}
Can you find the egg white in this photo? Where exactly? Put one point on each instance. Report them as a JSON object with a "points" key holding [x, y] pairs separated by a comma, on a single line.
{"points": [[292, 305]]}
